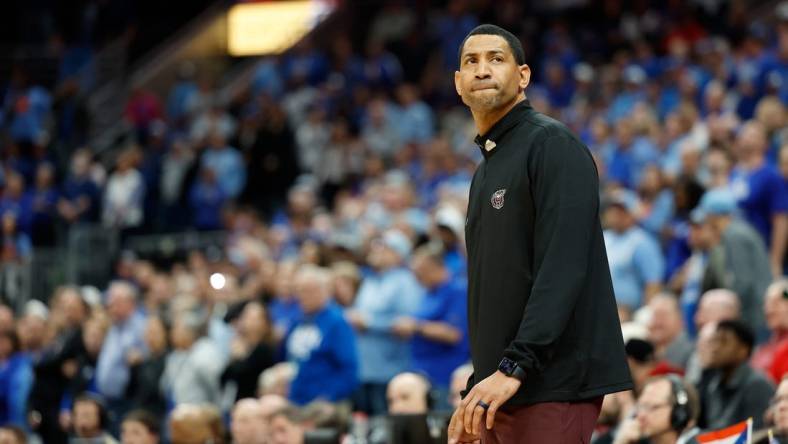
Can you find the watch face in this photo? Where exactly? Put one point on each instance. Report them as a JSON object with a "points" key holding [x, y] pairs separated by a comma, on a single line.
{"points": [[507, 366]]}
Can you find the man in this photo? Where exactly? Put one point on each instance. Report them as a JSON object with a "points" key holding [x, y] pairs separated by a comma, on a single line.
{"points": [[740, 262], [775, 310], [667, 413], [636, 262], [717, 305], [734, 391], [387, 293], [408, 394], [90, 421], [543, 324], [439, 342], [125, 335], [780, 411], [759, 189], [666, 330], [248, 424], [321, 344], [286, 426], [140, 427]]}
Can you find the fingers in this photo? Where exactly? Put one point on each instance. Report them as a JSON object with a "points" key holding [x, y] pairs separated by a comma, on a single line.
{"points": [[494, 404], [467, 414], [478, 414], [455, 426]]}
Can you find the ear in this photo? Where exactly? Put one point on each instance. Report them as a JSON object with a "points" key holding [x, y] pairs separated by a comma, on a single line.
{"points": [[525, 76], [457, 85]]}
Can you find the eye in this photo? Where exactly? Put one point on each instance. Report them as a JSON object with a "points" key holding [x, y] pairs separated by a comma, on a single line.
{"points": [[469, 61], [497, 59]]}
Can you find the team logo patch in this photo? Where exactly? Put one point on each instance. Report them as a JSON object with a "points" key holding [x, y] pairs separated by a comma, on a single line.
{"points": [[497, 199]]}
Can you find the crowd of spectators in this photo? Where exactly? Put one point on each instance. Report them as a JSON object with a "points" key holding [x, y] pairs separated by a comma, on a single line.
{"points": [[340, 176]]}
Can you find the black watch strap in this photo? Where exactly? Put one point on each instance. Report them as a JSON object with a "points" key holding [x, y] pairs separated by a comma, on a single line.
{"points": [[510, 368]]}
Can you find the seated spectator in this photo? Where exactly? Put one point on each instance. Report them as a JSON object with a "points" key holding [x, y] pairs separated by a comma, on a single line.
{"points": [[191, 373], [643, 363], [252, 351], [459, 382], [775, 310], [387, 293], [12, 435], [321, 344], [735, 390], [408, 394], [140, 427], [666, 331], [717, 305], [438, 333], [91, 420], [196, 424], [667, 412], [740, 262], [248, 424], [148, 368], [780, 413], [286, 427], [270, 404], [636, 262]]}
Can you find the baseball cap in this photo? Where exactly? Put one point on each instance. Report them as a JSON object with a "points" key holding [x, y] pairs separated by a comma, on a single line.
{"points": [[625, 199], [719, 201], [450, 218], [398, 242]]}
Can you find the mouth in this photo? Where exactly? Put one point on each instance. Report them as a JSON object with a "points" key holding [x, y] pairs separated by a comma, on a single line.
{"points": [[483, 87]]}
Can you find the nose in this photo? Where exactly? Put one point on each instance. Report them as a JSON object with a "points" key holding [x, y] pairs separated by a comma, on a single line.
{"points": [[482, 70]]}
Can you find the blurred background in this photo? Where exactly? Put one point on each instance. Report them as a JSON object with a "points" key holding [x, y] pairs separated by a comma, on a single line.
{"points": [[245, 220]]}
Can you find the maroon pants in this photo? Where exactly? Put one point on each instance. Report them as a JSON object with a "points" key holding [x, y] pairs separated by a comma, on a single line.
{"points": [[545, 423]]}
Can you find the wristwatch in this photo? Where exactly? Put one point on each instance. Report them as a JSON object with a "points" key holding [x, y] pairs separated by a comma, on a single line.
{"points": [[511, 369]]}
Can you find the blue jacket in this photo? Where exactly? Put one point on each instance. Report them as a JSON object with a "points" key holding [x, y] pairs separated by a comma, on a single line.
{"points": [[323, 346], [16, 379]]}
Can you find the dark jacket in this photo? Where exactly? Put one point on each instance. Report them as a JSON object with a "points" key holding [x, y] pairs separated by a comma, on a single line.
{"points": [[245, 371], [540, 291], [746, 394], [143, 391]]}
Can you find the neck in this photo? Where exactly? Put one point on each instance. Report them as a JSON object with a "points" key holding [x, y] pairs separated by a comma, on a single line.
{"points": [[487, 118], [752, 162], [727, 372], [667, 437]]}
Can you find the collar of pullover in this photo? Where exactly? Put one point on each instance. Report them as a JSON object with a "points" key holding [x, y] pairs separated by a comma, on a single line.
{"points": [[487, 142]]}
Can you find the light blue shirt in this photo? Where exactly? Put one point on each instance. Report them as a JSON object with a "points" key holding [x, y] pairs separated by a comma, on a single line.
{"points": [[635, 260], [381, 299], [228, 165], [112, 370]]}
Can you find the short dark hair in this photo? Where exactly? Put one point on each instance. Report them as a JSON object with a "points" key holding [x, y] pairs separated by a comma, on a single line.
{"points": [[145, 418], [742, 331], [488, 29]]}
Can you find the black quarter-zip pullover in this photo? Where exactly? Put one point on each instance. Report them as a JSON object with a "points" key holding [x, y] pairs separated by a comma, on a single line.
{"points": [[539, 287]]}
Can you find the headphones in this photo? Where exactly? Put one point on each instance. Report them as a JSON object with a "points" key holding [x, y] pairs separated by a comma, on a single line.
{"points": [[680, 412]]}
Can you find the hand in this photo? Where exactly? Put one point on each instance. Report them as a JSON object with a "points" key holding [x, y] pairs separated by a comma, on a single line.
{"points": [[134, 357], [628, 431], [405, 327], [494, 390], [69, 368], [356, 319], [457, 434], [238, 349]]}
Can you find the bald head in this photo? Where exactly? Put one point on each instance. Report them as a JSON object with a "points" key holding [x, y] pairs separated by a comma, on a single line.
{"points": [[248, 422], [717, 305], [666, 321], [459, 380], [775, 306], [407, 394]]}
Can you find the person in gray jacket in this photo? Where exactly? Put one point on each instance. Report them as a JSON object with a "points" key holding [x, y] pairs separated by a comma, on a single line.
{"points": [[193, 369]]}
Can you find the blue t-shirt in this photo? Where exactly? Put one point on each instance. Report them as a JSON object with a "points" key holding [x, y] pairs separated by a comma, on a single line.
{"points": [[761, 194], [445, 303], [323, 346], [635, 261]]}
